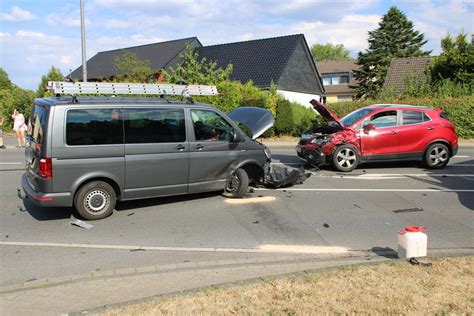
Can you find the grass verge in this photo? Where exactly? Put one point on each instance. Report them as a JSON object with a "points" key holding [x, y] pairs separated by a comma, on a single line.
{"points": [[386, 288]]}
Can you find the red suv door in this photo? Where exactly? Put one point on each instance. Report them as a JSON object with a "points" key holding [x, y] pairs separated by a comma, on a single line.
{"points": [[415, 132], [384, 139]]}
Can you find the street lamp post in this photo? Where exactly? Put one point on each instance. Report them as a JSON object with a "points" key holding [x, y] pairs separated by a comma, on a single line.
{"points": [[83, 40]]}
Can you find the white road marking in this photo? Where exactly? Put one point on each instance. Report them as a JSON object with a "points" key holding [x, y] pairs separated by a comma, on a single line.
{"points": [[250, 200], [461, 156], [260, 249], [366, 190], [389, 176]]}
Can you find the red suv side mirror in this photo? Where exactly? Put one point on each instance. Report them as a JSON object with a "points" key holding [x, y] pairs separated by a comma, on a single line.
{"points": [[368, 128]]}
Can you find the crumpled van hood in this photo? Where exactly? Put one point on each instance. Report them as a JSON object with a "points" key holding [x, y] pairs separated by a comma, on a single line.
{"points": [[325, 113], [258, 120]]}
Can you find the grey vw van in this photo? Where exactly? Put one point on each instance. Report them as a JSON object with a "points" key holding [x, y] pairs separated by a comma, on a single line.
{"points": [[89, 152]]}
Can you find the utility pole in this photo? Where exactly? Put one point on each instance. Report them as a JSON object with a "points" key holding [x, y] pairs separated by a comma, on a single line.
{"points": [[83, 40]]}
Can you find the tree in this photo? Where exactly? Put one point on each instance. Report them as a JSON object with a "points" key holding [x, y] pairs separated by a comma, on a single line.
{"points": [[329, 51], [5, 82], [13, 97], [395, 37], [193, 70], [132, 68], [456, 62], [54, 74]]}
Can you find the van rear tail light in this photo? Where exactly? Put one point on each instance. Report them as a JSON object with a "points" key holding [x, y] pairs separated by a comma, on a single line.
{"points": [[45, 168]]}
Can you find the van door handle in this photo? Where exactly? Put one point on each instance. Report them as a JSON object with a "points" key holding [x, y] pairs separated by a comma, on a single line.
{"points": [[393, 133], [198, 147], [180, 147]]}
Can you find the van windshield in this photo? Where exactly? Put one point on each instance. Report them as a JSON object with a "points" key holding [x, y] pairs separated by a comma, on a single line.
{"points": [[37, 123]]}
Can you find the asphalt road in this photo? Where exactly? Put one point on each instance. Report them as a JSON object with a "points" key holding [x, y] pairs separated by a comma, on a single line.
{"points": [[354, 211]]}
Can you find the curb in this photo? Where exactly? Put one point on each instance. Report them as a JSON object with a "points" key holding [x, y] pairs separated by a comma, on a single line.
{"points": [[368, 260], [184, 266], [361, 255]]}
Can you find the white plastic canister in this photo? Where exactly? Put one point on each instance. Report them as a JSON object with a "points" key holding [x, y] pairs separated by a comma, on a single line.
{"points": [[412, 242]]}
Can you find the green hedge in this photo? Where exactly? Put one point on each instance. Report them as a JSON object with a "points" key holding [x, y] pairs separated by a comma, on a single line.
{"points": [[293, 119], [460, 110]]}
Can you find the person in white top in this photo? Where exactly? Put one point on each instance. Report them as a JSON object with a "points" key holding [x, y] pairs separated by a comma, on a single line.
{"points": [[19, 127]]}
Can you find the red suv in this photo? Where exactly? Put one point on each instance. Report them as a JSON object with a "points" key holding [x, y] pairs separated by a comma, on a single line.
{"points": [[381, 132]]}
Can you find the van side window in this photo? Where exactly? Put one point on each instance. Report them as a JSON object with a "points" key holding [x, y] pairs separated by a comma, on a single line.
{"points": [[210, 126], [94, 127], [154, 125], [37, 122]]}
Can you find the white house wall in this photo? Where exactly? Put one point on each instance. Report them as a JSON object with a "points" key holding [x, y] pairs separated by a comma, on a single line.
{"points": [[301, 98]]}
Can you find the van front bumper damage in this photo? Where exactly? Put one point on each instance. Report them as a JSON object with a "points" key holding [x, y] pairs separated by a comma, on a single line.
{"points": [[43, 199]]}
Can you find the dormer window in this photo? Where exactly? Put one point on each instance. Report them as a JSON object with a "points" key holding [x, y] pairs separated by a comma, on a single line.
{"points": [[335, 79]]}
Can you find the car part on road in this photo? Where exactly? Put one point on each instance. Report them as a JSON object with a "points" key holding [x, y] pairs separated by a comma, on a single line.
{"points": [[279, 177], [415, 262], [79, 223], [409, 210]]}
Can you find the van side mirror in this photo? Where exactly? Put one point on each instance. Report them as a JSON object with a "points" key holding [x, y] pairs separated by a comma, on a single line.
{"points": [[368, 128], [235, 137]]}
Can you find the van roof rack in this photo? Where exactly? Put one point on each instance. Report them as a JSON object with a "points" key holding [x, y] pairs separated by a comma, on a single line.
{"points": [[75, 88]]}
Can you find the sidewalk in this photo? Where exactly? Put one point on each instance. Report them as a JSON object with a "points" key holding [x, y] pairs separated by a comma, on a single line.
{"points": [[96, 290]]}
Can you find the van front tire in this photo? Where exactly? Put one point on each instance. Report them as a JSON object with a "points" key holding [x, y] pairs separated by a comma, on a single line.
{"points": [[237, 184], [95, 200]]}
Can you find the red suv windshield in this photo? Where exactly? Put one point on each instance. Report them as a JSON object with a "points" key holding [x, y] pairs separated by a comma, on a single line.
{"points": [[353, 117]]}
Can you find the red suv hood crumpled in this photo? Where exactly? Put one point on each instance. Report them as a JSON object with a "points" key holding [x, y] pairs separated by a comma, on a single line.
{"points": [[325, 113]]}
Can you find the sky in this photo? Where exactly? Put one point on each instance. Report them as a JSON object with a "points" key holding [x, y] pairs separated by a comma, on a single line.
{"points": [[35, 35]]}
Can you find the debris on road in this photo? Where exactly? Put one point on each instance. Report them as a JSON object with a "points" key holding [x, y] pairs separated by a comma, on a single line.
{"points": [[256, 222], [416, 262], [326, 225], [137, 249], [79, 223], [130, 214], [279, 177], [358, 206], [409, 210]]}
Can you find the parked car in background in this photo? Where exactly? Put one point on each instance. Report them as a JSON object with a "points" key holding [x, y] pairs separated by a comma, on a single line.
{"points": [[381, 132]]}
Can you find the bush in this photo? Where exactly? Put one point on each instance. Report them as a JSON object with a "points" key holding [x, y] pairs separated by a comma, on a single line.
{"points": [[460, 110]]}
